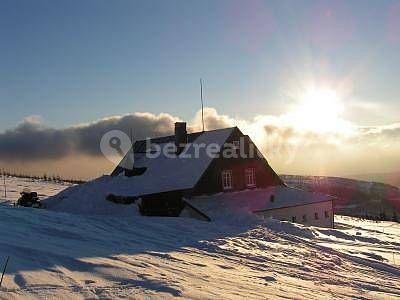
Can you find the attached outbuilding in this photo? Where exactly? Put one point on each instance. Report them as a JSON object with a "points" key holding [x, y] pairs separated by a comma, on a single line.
{"points": [[279, 202]]}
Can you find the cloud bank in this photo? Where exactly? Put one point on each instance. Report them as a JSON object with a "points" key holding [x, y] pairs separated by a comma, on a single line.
{"points": [[288, 147], [32, 140]]}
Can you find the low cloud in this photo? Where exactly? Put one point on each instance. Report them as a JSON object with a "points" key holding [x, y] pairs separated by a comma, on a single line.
{"points": [[287, 147], [390, 131], [212, 120], [32, 140]]}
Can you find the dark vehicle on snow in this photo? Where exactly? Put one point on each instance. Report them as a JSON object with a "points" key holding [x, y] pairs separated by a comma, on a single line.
{"points": [[29, 199]]}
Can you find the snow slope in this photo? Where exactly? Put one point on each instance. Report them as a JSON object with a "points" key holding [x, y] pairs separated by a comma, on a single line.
{"points": [[61, 255]]}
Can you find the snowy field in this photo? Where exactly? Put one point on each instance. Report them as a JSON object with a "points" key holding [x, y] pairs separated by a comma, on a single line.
{"points": [[67, 256], [14, 186]]}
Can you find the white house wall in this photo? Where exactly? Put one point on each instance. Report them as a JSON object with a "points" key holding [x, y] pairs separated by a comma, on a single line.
{"points": [[309, 210]]}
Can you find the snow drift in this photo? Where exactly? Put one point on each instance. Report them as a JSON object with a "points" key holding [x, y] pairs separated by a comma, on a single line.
{"points": [[90, 198]]}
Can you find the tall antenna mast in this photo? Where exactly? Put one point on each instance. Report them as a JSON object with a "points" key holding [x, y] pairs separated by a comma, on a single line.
{"points": [[133, 151], [202, 104]]}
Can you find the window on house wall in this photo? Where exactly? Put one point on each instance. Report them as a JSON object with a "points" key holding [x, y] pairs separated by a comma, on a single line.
{"points": [[326, 214], [304, 218], [294, 219], [316, 216], [250, 177], [236, 147], [227, 179]]}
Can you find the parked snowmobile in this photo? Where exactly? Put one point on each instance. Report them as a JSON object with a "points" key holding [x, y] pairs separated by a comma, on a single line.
{"points": [[29, 199]]}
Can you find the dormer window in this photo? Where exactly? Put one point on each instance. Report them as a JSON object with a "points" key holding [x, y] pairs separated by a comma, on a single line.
{"points": [[250, 177], [227, 180]]}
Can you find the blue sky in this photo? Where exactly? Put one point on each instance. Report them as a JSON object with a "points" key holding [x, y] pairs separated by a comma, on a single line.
{"points": [[77, 61], [322, 77]]}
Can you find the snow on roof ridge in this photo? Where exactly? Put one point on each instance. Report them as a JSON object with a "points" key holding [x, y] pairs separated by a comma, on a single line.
{"points": [[236, 192], [189, 133]]}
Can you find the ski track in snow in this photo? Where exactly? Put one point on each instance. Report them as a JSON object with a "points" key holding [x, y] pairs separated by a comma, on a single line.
{"points": [[66, 256]]}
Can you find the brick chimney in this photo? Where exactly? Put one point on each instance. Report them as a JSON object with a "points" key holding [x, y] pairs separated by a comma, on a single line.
{"points": [[180, 136]]}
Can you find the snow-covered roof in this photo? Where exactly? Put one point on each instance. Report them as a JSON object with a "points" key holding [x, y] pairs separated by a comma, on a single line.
{"points": [[249, 201], [165, 173]]}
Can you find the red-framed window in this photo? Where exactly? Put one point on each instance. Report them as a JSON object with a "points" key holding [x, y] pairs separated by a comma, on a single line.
{"points": [[250, 177]]}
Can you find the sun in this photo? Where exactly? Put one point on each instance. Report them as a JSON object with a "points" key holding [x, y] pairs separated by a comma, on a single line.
{"points": [[318, 110]]}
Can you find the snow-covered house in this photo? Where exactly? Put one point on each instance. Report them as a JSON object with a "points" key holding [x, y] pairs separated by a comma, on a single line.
{"points": [[179, 174]]}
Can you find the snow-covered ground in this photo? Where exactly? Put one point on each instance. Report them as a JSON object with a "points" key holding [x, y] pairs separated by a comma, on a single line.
{"points": [[61, 255], [14, 186]]}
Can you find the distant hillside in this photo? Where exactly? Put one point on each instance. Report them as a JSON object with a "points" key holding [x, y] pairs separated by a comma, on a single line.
{"points": [[354, 197], [388, 178]]}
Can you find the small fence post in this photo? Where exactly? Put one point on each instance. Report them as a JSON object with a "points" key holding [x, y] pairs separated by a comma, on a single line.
{"points": [[5, 186], [4, 270]]}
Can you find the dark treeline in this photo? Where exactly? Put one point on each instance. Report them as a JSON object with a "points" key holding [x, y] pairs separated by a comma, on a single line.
{"points": [[382, 216], [44, 177]]}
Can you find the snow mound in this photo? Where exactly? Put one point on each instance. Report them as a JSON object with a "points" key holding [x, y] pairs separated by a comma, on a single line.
{"points": [[90, 198], [292, 229]]}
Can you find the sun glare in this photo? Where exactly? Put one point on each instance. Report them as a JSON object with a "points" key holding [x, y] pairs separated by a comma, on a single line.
{"points": [[319, 110]]}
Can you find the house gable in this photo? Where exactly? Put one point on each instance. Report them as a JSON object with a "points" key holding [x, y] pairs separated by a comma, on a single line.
{"points": [[211, 180]]}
